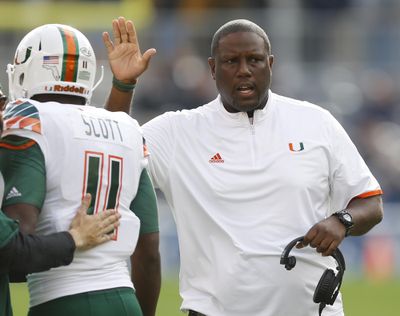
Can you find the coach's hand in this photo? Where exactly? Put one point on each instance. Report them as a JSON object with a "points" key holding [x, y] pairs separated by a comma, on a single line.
{"points": [[126, 60], [91, 230], [325, 236]]}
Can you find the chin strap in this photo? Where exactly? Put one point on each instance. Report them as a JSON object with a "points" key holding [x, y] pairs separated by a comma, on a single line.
{"points": [[10, 74], [96, 84], [100, 79]]}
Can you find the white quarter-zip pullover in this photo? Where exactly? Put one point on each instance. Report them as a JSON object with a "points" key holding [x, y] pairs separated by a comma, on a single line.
{"points": [[240, 190]]}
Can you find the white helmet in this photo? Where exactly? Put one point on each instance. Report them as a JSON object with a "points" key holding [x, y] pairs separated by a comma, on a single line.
{"points": [[55, 59]]}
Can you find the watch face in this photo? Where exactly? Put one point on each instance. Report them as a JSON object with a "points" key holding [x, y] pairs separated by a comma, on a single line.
{"points": [[347, 217]]}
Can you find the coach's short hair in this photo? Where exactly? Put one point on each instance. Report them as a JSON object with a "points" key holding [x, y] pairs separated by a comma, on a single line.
{"points": [[240, 25]]}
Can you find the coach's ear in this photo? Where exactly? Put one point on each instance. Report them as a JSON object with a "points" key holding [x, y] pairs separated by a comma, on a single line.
{"points": [[271, 60], [211, 63]]}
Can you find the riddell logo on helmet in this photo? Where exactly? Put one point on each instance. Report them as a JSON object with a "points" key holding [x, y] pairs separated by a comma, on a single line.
{"points": [[73, 89]]}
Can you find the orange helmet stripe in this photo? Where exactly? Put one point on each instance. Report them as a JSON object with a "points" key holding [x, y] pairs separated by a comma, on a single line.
{"points": [[71, 56]]}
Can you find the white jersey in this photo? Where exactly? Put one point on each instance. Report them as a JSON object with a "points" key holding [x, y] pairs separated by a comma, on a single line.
{"points": [[240, 191], [86, 149]]}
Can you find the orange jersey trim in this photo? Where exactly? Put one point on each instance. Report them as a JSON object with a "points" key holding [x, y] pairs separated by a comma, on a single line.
{"points": [[370, 193], [24, 122]]}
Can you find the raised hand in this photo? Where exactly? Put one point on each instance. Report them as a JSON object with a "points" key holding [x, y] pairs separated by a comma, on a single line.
{"points": [[126, 60]]}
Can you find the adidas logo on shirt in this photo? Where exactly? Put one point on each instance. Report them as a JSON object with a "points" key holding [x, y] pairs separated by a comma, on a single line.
{"points": [[216, 159], [13, 193]]}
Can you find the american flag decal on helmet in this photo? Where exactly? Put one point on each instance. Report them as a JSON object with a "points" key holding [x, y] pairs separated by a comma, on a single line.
{"points": [[22, 115], [50, 60]]}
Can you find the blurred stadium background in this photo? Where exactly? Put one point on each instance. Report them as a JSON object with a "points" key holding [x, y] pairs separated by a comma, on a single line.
{"points": [[341, 54]]}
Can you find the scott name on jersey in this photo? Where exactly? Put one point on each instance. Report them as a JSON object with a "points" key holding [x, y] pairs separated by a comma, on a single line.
{"points": [[102, 127]]}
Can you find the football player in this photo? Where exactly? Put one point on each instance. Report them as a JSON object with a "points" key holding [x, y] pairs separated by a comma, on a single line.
{"points": [[57, 148]]}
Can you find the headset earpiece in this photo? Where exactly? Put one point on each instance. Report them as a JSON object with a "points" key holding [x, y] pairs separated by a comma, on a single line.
{"points": [[329, 284], [290, 263], [325, 287]]}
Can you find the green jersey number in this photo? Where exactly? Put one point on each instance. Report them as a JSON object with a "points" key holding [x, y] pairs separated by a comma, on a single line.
{"points": [[95, 173]]}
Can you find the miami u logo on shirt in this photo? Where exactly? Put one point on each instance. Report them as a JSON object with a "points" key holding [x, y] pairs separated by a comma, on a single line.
{"points": [[296, 147]]}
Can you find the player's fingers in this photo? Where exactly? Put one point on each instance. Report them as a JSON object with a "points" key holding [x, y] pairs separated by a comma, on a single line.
{"points": [[107, 42], [122, 29], [148, 54], [131, 31], [116, 32]]}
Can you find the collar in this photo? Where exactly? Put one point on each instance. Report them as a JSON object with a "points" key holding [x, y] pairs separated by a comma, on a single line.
{"points": [[240, 117]]}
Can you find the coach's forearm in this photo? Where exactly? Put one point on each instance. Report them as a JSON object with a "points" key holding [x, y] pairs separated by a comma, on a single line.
{"points": [[366, 213]]}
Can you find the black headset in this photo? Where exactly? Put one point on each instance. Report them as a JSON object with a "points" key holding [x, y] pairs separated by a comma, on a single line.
{"points": [[329, 285]]}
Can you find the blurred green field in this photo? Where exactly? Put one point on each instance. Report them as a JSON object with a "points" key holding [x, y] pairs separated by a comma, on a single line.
{"points": [[361, 298]]}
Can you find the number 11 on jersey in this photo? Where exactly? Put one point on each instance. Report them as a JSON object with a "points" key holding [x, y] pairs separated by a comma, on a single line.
{"points": [[102, 180]]}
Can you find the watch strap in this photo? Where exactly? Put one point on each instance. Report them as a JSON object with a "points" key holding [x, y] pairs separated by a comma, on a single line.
{"points": [[346, 219]]}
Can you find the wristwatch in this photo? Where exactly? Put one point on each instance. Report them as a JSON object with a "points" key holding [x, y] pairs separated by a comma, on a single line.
{"points": [[346, 219]]}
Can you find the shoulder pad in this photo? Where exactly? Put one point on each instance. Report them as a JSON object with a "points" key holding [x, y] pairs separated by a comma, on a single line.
{"points": [[22, 114]]}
